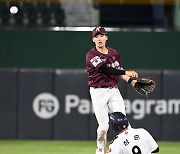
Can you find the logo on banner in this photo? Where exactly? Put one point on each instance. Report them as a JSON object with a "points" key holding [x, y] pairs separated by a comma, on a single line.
{"points": [[45, 105], [138, 108]]}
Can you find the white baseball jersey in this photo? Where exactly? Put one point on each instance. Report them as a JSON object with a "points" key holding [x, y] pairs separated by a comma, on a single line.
{"points": [[133, 141]]}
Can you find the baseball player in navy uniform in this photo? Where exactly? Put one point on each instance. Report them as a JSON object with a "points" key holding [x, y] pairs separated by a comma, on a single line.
{"points": [[104, 72], [130, 140]]}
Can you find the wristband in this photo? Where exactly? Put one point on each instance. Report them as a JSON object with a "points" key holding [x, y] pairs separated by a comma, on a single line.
{"points": [[130, 80]]}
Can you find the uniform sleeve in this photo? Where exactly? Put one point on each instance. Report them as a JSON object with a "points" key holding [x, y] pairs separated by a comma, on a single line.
{"points": [[111, 71], [94, 61], [150, 141]]}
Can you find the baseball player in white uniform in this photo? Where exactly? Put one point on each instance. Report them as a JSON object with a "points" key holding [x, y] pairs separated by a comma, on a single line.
{"points": [[130, 140], [104, 72]]}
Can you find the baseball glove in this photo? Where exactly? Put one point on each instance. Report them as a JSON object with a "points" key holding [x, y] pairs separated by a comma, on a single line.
{"points": [[144, 86]]}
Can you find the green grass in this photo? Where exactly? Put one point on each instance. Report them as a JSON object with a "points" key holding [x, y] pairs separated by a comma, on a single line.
{"points": [[66, 147]]}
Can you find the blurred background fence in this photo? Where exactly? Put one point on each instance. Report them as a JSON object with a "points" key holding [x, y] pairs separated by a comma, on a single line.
{"points": [[55, 104], [67, 49], [43, 81]]}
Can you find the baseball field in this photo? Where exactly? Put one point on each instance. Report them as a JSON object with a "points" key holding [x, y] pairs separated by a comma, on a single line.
{"points": [[66, 147]]}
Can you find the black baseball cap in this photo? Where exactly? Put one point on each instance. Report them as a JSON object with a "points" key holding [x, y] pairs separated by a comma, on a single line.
{"points": [[99, 30]]}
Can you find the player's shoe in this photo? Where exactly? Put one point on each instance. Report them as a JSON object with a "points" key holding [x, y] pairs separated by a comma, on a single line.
{"points": [[100, 151]]}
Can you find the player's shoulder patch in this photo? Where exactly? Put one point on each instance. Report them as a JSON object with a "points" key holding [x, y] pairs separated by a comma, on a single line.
{"points": [[114, 139], [96, 60]]}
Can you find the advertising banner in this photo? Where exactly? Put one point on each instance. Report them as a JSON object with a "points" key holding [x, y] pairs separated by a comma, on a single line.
{"points": [[35, 120], [56, 104], [8, 103]]}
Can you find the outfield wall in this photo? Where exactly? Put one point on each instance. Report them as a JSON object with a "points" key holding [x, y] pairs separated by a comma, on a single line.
{"points": [[148, 49], [55, 104]]}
